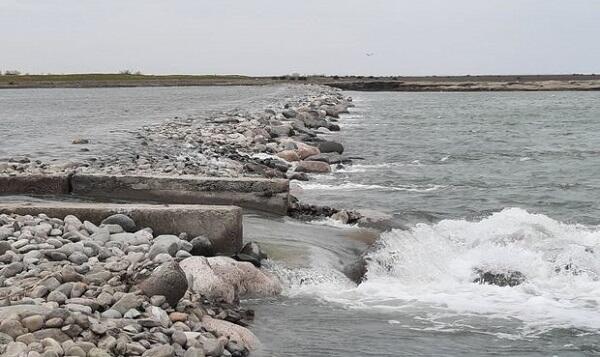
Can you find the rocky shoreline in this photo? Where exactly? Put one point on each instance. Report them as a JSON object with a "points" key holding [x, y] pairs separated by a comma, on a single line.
{"points": [[71, 288], [281, 141]]}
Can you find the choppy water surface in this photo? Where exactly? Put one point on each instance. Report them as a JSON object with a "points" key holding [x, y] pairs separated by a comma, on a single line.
{"points": [[42, 123], [491, 181], [479, 181]]}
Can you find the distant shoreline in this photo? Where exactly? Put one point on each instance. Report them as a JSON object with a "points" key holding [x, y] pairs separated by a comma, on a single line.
{"points": [[571, 82]]}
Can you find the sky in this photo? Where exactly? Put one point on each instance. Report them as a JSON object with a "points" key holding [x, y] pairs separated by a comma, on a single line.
{"points": [[275, 37]]}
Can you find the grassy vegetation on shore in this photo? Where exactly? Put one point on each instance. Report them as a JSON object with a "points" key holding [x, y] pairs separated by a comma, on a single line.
{"points": [[364, 83]]}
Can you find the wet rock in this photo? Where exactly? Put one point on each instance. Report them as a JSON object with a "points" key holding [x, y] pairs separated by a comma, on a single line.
{"points": [[251, 253], [331, 146], [122, 220], [507, 278], [289, 155], [305, 150], [313, 167], [330, 158], [167, 280]]}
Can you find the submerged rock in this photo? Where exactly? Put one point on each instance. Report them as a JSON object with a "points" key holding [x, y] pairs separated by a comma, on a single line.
{"points": [[507, 278], [313, 167]]}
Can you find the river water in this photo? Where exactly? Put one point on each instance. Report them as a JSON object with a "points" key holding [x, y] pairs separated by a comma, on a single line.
{"points": [[499, 182], [496, 182]]}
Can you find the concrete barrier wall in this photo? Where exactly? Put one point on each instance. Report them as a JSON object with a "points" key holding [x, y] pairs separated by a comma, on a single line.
{"points": [[270, 195], [263, 194], [35, 184], [221, 224]]}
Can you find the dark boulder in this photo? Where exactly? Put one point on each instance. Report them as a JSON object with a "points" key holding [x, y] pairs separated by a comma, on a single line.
{"points": [[202, 246], [507, 278], [122, 220], [331, 146], [167, 280], [252, 253]]}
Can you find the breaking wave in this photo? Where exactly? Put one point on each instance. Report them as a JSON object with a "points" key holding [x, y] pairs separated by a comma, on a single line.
{"points": [[433, 267]]}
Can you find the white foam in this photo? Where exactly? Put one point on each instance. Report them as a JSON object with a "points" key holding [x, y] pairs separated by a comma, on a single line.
{"points": [[351, 186], [433, 266]]}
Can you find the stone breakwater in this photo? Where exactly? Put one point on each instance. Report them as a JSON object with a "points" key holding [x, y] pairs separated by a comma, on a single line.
{"points": [[282, 141], [73, 288], [278, 141]]}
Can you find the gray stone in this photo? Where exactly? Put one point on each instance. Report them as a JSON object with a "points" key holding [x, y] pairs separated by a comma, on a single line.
{"points": [[12, 269], [251, 253], [202, 246], [53, 333], [13, 328], [194, 352], [128, 301], [5, 338], [57, 296], [167, 280], [98, 352], [331, 146], [78, 258], [179, 337], [76, 351], [54, 322], [15, 349], [104, 299], [122, 220], [112, 314], [33, 323], [160, 351], [55, 255], [4, 246]]}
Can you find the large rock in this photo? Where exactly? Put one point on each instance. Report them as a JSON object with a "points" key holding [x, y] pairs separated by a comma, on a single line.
{"points": [[330, 158], [331, 146], [127, 302], [232, 331], [305, 150], [251, 253], [23, 311], [223, 278], [506, 278], [168, 280], [122, 220], [289, 155], [202, 246], [313, 167]]}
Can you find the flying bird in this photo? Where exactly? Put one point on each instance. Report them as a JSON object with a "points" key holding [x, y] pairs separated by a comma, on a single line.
{"points": [[369, 54]]}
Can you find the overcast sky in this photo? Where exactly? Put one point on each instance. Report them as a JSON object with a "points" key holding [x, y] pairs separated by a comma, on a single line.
{"points": [[266, 37]]}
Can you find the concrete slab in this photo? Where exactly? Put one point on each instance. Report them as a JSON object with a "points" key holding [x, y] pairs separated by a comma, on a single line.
{"points": [[35, 184], [269, 195], [221, 224]]}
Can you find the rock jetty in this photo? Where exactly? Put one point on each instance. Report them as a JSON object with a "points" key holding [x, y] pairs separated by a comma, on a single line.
{"points": [[73, 288]]}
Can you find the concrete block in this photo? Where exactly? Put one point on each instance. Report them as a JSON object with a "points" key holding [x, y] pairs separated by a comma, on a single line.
{"points": [[269, 195], [35, 184], [221, 224]]}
